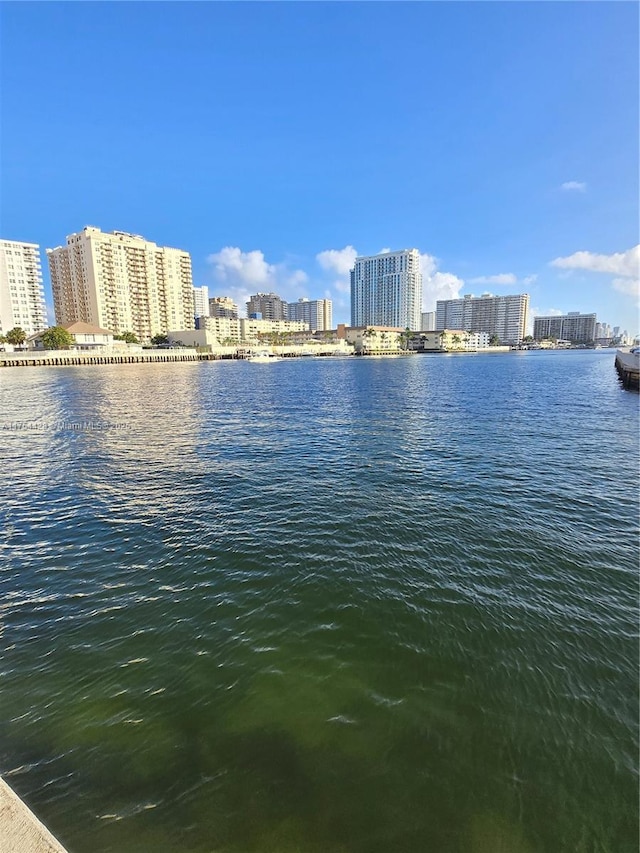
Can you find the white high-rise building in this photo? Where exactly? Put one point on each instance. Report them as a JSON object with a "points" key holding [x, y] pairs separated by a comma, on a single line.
{"points": [[121, 282], [201, 301], [386, 290], [21, 292], [503, 316], [317, 313]]}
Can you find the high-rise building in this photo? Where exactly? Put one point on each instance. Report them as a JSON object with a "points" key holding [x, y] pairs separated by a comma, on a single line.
{"points": [[21, 292], [201, 301], [386, 290], [317, 313], [580, 328], [224, 307], [121, 282], [503, 316], [428, 321], [268, 306]]}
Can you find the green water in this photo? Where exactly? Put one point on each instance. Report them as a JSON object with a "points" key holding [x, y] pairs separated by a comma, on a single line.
{"points": [[345, 606]]}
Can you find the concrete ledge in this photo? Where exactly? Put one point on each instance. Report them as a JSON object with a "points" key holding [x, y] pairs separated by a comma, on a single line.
{"points": [[20, 829]]}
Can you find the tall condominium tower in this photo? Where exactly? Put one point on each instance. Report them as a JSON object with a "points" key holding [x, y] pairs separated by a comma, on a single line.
{"points": [[201, 301], [121, 282], [268, 305], [224, 307], [573, 326], [503, 316], [386, 290], [317, 313], [21, 292]]}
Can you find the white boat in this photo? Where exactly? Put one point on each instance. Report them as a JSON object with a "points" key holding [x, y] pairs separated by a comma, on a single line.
{"points": [[262, 357]]}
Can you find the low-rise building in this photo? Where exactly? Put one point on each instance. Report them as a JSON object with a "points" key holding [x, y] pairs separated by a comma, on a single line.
{"points": [[375, 339], [85, 337], [451, 340]]}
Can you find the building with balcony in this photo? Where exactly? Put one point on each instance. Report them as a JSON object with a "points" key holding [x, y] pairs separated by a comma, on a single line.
{"points": [[575, 327], [223, 306], [267, 306], [317, 313], [121, 282], [386, 290], [505, 317], [201, 301], [22, 302]]}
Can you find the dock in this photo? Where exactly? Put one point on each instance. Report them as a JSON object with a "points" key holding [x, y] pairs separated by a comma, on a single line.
{"points": [[628, 367], [20, 829]]}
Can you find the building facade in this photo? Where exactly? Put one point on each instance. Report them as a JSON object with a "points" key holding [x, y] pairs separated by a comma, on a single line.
{"points": [[317, 313], [386, 290], [121, 282], [428, 321], [574, 327], [267, 306], [223, 306], [225, 329], [503, 316], [22, 302], [201, 301]]}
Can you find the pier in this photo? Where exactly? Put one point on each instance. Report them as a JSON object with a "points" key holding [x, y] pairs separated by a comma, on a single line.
{"points": [[628, 367]]}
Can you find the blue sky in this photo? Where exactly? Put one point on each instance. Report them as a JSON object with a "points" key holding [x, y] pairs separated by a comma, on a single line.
{"points": [[273, 141]]}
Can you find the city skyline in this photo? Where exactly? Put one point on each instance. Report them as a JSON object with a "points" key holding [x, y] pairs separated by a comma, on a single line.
{"points": [[508, 179]]}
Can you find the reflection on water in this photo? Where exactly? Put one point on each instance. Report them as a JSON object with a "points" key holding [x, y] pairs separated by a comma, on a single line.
{"points": [[330, 606]]}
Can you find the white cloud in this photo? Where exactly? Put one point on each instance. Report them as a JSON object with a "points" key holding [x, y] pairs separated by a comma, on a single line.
{"points": [[384, 251], [235, 267], [241, 274], [529, 279], [501, 278], [574, 186], [340, 261], [428, 265], [628, 286], [624, 264], [440, 285]]}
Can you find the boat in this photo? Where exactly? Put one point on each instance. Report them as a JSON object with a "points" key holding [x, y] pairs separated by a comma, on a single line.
{"points": [[262, 357]]}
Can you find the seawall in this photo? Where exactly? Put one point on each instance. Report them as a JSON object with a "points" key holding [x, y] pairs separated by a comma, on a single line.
{"points": [[20, 829]]}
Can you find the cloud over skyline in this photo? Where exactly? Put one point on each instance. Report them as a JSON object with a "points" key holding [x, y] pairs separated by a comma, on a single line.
{"points": [[574, 186], [500, 279]]}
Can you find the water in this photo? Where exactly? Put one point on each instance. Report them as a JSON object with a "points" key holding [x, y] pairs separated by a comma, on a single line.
{"points": [[327, 606]]}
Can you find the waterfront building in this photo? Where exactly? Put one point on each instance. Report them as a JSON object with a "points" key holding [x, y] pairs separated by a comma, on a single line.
{"points": [[375, 339], [317, 313], [448, 340], [574, 327], [253, 331], [503, 316], [122, 282], [22, 302], [386, 290], [267, 306], [249, 330], [201, 301], [428, 321], [223, 306], [222, 328]]}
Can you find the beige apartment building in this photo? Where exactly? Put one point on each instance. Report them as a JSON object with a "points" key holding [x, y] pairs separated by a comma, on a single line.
{"points": [[121, 282], [21, 292], [247, 330]]}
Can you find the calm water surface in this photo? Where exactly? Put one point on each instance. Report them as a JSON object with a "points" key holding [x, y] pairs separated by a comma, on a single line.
{"points": [[326, 606]]}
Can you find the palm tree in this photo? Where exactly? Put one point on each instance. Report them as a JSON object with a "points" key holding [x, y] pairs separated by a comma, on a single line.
{"points": [[456, 340]]}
